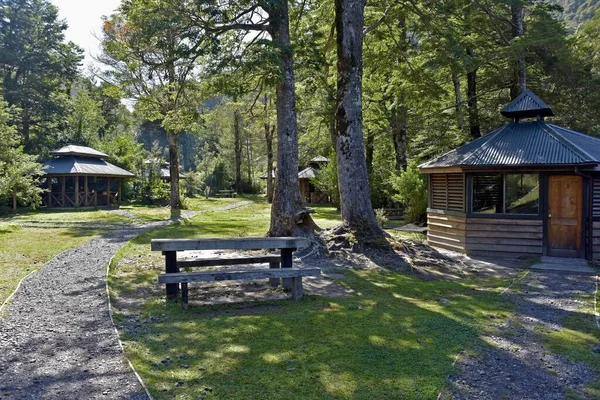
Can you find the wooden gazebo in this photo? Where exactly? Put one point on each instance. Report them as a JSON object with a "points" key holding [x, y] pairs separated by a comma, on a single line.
{"points": [[529, 187], [78, 176]]}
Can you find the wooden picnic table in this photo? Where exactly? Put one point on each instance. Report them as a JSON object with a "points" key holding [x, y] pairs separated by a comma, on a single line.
{"points": [[286, 246]]}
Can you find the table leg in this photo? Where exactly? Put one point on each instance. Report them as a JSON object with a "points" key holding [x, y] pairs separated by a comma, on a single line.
{"points": [[170, 268], [286, 262], [274, 282]]}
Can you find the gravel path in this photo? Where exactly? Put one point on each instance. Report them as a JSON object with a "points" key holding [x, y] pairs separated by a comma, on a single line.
{"points": [[57, 340], [517, 365]]}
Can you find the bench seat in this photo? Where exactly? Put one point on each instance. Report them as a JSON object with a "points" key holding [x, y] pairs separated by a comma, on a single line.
{"points": [[184, 278]]}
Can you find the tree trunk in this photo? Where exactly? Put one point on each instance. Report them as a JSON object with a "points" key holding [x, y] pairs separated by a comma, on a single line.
{"points": [[398, 122], [460, 121], [249, 158], [474, 126], [174, 170], [288, 216], [369, 139], [519, 80], [399, 112], [269, 130], [14, 201], [237, 148], [355, 197]]}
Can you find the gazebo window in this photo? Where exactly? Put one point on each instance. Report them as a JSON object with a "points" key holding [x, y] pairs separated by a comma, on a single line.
{"points": [[505, 193]]}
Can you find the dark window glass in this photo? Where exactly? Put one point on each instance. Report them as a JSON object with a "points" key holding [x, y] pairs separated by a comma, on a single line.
{"points": [[522, 193], [488, 194]]}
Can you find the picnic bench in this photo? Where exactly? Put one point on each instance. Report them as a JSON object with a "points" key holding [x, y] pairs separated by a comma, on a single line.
{"points": [[280, 265], [226, 193]]}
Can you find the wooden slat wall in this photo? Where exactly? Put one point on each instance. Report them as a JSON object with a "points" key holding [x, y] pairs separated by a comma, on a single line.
{"points": [[596, 240], [504, 236], [446, 231], [448, 192], [596, 197]]}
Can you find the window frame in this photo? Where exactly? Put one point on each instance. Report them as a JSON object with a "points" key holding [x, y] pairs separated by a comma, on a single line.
{"points": [[503, 215]]}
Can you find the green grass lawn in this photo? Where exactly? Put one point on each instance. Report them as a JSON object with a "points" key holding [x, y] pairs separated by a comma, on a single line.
{"points": [[396, 337], [24, 249], [26, 215], [155, 213]]}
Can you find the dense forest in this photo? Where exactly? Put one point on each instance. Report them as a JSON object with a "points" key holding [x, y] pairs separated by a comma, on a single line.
{"points": [[228, 92]]}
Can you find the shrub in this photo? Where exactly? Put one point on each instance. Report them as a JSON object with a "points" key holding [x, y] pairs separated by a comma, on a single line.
{"points": [[381, 217], [411, 190]]}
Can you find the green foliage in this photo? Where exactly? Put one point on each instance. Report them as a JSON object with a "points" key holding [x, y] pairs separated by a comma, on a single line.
{"points": [[193, 184], [37, 68], [327, 180], [19, 172], [411, 191]]}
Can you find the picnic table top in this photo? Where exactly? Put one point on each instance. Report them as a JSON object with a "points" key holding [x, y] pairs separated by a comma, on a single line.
{"points": [[249, 243]]}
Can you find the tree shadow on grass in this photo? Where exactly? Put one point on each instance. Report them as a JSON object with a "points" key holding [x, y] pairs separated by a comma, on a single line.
{"points": [[393, 340]]}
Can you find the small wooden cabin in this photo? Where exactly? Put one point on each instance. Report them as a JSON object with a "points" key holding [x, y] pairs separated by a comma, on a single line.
{"points": [[79, 176], [309, 192], [528, 188], [163, 169]]}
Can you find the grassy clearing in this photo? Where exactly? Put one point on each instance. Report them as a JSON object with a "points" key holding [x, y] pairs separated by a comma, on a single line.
{"points": [[576, 341], [66, 215], [155, 213], [23, 250], [396, 338]]}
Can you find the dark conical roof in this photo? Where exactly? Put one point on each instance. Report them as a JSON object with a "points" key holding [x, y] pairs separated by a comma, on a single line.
{"points": [[527, 105]]}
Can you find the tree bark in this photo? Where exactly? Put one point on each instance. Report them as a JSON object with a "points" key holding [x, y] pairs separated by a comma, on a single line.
{"points": [[519, 80], [369, 148], [474, 127], [237, 147], [15, 201], [269, 131], [398, 126], [399, 112], [460, 121], [357, 211], [175, 203], [288, 216]]}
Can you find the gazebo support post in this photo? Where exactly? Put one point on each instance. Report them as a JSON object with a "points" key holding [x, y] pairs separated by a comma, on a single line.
{"points": [[95, 191], [62, 191], [120, 189], [76, 177], [108, 191], [49, 191], [86, 199]]}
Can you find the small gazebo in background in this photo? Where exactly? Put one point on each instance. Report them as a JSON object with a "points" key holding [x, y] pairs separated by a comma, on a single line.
{"points": [[164, 170], [79, 176]]}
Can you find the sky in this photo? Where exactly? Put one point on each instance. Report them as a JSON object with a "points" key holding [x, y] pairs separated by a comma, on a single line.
{"points": [[84, 20]]}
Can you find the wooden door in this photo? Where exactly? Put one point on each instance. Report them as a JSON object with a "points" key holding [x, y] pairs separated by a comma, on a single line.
{"points": [[565, 194]]}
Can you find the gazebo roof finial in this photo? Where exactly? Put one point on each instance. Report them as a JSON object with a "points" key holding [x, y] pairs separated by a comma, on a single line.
{"points": [[527, 105]]}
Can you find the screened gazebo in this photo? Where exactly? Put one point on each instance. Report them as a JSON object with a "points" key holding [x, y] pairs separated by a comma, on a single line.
{"points": [[529, 187], [78, 176]]}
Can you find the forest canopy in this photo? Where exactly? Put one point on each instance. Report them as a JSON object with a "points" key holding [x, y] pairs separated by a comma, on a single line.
{"points": [[207, 87]]}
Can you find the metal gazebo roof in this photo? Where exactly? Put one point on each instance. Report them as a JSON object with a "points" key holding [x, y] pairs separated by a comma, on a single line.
{"points": [[74, 165], [73, 150]]}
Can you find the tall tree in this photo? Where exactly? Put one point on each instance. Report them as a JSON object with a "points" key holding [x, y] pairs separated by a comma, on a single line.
{"points": [[152, 52], [288, 214], [37, 68], [357, 211], [19, 172]]}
